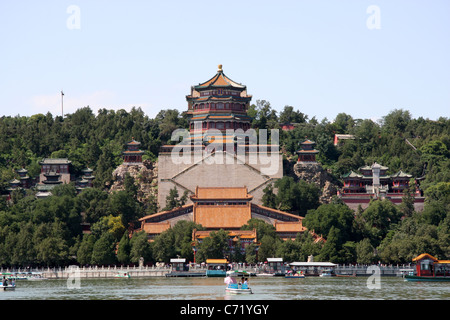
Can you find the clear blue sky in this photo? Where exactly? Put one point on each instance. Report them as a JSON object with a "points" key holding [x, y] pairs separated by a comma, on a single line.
{"points": [[318, 56]]}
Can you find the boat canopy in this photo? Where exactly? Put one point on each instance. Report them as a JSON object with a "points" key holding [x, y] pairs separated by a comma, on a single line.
{"points": [[274, 259], [237, 273], [216, 261], [313, 264]]}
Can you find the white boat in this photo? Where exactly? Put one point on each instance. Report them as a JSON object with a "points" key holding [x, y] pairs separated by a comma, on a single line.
{"points": [[265, 274], [36, 277], [327, 273], [233, 287], [7, 287], [122, 275], [14, 276], [294, 275]]}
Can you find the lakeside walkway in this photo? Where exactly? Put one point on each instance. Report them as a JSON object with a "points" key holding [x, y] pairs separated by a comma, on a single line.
{"points": [[94, 271], [162, 270]]}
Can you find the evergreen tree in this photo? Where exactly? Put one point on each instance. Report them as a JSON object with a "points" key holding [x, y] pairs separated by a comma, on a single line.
{"points": [[365, 252], [163, 246], [173, 199], [84, 253], [140, 247], [103, 250], [123, 251], [214, 247], [269, 198]]}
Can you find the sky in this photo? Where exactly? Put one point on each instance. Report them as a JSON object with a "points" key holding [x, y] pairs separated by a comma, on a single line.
{"points": [[362, 58]]}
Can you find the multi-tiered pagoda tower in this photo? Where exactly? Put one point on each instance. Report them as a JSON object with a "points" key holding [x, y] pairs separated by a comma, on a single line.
{"points": [[219, 150], [219, 103], [307, 153], [133, 155]]}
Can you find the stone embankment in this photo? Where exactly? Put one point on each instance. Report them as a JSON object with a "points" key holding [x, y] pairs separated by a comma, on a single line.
{"points": [[95, 272], [163, 270]]}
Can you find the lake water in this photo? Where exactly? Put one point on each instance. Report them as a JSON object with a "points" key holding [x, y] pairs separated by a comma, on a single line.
{"points": [[272, 288]]}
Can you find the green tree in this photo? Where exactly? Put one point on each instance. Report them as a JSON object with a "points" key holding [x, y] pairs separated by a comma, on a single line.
{"points": [[237, 254], [84, 253], [214, 247], [266, 117], [52, 251], [396, 121], [105, 166], [130, 185], [365, 252], [262, 228], [443, 233], [163, 246], [123, 204], [289, 250], [110, 224], [24, 249], [94, 203], [379, 218], [408, 240], [308, 246], [332, 249], [140, 247], [296, 197], [288, 115], [173, 199], [169, 120], [268, 247], [103, 250], [407, 205], [269, 198], [343, 123], [182, 232], [327, 216], [123, 251], [250, 253]]}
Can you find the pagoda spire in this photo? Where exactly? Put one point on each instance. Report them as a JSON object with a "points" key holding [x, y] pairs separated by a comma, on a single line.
{"points": [[218, 103]]}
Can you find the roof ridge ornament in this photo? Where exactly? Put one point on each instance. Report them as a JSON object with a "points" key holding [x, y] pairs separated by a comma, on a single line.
{"points": [[220, 68]]}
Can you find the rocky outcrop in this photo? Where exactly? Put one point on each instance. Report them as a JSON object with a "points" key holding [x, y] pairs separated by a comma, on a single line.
{"points": [[145, 176], [313, 172]]}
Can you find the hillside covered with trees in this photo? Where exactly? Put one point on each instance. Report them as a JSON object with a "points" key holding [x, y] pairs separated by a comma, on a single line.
{"points": [[47, 232]]}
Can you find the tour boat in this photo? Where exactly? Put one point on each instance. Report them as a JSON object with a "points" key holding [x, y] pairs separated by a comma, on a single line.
{"points": [[346, 275], [409, 277], [15, 276], [216, 267], [36, 276], [428, 268], [327, 273], [122, 275], [8, 287], [233, 287], [294, 275], [265, 274]]}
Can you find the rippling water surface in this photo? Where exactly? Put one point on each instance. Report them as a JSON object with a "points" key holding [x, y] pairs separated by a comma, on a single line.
{"points": [[273, 288]]}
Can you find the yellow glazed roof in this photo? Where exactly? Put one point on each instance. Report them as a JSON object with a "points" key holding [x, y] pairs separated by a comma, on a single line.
{"points": [[423, 256], [216, 261]]}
